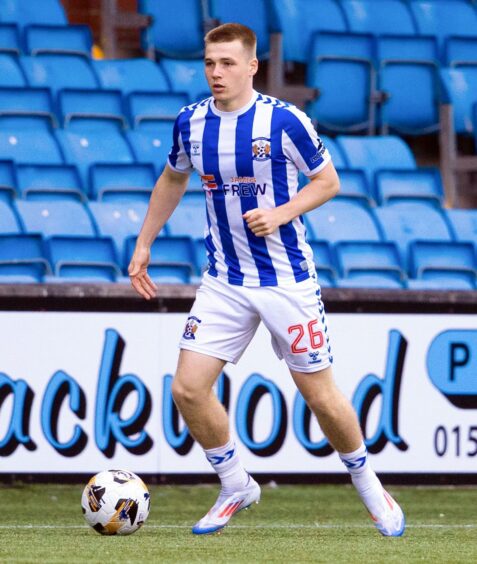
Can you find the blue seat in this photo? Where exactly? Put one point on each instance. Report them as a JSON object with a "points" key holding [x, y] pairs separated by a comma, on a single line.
{"points": [[147, 108], [423, 183], [463, 223], [438, 255], [69, 39], [443, 280], [345, 87], [8, 181], [10, 39], [170, 34], [342, 45], [460, 50], [57, 71], [385, 16], [22, 107], [403, 222], [91, 107], [354, 184], [368, 256], [189, 218], [11, 74], [201, 261], [23, 255], [413, 48], [252, 13], [131, 75], [412, 95], [170, 273], [340, 220], [25, 12], [118, 220], [54, 181], [459, 88], [444, 18], [55, 218], [29, 146], [334, 150], [378, 280], [323, 260], [167, 250], [186, 76], [9, 222], [84, 148], [153, 146], [373, 153], [298, 20], [122, 182], [89, 257]]}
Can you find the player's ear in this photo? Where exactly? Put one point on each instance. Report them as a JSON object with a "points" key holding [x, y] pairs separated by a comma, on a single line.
{"points": [[253, 66]]}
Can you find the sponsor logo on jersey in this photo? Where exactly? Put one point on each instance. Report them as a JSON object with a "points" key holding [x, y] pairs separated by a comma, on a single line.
{"points": [[191, 328], [244, 186], [195, 148], [319, 152], [261, 149], [208, 182]]}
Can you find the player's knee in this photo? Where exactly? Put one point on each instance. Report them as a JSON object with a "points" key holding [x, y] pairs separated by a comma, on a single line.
{"points": [[182, 393]]}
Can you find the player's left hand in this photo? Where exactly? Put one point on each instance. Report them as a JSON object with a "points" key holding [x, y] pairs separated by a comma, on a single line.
{"points": [[263, 222]]}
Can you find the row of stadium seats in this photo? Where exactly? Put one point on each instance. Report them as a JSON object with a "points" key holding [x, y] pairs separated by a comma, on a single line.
{"points": [[58, 71], [298, 20], [400, 240], [109, 165], [181, 259]]}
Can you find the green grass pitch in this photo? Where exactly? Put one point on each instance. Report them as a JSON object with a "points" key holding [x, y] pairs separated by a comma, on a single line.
{"points": [[43, 524]]}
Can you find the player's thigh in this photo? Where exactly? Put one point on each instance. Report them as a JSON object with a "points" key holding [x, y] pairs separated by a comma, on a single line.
{"points": [[222, 321], [316, 387], [296, 319], [196, 372]]}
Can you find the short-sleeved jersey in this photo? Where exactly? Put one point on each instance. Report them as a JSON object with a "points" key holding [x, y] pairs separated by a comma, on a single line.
{"points": [[250, 158]]}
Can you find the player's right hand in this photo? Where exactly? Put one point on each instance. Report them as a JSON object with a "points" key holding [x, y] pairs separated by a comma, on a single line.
{"points": [[138, 275]]}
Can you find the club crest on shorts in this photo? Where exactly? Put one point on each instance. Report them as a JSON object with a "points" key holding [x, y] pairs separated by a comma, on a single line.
{"points": [[191, 327], [261, 149]]}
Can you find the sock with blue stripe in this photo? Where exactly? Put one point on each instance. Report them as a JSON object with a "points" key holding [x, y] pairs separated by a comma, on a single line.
{"points": [[226, 462], [364, 479]]}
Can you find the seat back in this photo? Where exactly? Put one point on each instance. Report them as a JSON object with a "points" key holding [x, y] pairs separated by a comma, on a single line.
{"points": [[463, 224], [459, 86], [58, 71], [413, 93], [114, 180], [298, 20], [189, 218], [146, 108], [340, 220], [130, 75], [8, 219], [96, 106], [25, 12], [11, 74], [10, 39], [187, 76], [29, 146], [385, 16], [169, 34], [55, 218], [42, 180], [438, 255], [422, 183], [22, 107], [69, 39], [460, 50], [152, 147], [367, 256]]}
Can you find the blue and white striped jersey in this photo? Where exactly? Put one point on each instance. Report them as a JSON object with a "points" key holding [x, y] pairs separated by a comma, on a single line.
{"points": [[250, 158]]}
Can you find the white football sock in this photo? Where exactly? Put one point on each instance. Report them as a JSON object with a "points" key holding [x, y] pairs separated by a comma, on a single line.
{"points": [[226, 462], [364, 479]]}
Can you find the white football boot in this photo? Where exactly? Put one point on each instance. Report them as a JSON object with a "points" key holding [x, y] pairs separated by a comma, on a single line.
{"points": [[391, 521], [224, 508]]}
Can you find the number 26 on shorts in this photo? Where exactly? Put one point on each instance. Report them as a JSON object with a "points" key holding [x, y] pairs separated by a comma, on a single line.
{"points": [[316, 337]]}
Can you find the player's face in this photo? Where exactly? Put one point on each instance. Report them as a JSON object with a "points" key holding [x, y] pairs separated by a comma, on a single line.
{"points": [[229, 69]]}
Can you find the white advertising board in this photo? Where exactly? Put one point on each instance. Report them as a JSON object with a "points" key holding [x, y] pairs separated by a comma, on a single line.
{"points": [[80, 392]]}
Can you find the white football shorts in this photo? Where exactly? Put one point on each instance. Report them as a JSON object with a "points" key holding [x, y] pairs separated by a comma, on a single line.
{"points": [[224, 318]]}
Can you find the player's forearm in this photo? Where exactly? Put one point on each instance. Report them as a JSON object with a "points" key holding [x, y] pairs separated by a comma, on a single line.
{"points": [[164, 199], [316, 193]]}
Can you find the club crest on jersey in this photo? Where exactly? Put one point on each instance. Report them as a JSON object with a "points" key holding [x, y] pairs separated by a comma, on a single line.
{"points": [[261, 149], [191, 327]]}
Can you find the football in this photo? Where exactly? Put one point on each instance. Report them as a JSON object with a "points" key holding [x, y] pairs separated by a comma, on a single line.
{"points": [[115, 502]]}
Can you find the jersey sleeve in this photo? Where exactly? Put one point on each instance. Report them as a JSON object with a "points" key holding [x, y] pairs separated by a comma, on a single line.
{"points": [[302, 145], [179, 155]]}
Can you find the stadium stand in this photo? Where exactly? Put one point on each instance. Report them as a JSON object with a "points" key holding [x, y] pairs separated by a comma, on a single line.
{"points": [[82, 141], [23, 255]]}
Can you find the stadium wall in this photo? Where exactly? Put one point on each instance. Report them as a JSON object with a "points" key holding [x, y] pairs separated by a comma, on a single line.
{"points": [[85, 374]]}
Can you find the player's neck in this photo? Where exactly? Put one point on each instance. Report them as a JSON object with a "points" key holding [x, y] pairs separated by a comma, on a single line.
{"points": [[236, 103]]}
